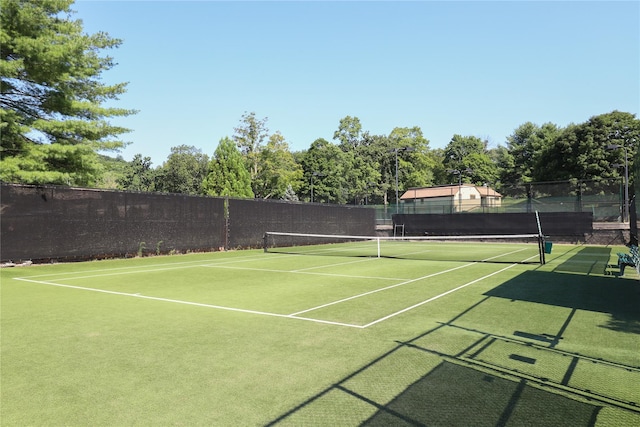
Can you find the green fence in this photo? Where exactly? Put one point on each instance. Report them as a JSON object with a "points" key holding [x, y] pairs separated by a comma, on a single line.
{"points": [[604, 199]]}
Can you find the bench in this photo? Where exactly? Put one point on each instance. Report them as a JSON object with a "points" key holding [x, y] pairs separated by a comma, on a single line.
{"points": [[632, 259]]}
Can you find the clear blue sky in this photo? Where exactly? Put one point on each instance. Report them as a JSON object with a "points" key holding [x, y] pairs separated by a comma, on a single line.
{"points": [[471, 68]]}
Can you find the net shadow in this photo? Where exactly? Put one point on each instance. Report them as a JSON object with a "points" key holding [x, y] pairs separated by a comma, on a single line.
{"points": [[455, 395]]}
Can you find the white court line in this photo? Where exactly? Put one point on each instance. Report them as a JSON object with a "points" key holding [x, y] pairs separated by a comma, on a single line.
{"points": [[148, 268], [333, 265], [311, 273], [381, 289], [436, 297], [197, 304], [289, 316], [401, 284], [184, 264]]}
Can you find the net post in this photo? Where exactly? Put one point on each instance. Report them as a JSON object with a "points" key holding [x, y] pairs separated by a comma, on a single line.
{"points": [[264, 242], [543, 259], [378, 243], [541, 249]]}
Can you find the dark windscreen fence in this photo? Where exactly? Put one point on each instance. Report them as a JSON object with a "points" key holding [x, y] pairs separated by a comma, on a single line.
{"points": [[564, 224], [42, 223], [250, 219]]}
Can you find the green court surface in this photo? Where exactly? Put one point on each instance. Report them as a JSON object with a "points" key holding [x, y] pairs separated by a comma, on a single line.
{"points": [[338, 339]]}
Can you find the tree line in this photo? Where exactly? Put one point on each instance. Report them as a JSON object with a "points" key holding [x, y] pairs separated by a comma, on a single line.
{"points": [[358, 167], [55, 127]]}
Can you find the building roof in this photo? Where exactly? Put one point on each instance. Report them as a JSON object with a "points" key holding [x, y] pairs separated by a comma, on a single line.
{"points": [[487, 191], [445, 191]]}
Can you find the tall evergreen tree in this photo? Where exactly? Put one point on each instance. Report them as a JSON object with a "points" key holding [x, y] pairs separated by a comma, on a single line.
{"points": [[228, 175], [52, 113]]}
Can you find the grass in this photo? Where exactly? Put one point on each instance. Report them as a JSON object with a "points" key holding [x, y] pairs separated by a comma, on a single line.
{"points": [[226, 339]]}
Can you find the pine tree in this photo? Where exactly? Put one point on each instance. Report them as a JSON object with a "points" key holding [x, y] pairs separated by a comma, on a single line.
{"points": [[52, 118], [228, 175]]}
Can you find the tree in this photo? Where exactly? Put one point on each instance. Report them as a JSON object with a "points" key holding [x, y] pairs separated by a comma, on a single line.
{"points": [[504, 162], [361, 172], [228, 176], [374, 151], [525, 147], [324, 170], [360, 175], [440, 174], [138, 175], [290, 195], [52, 113], [466, 159], [250, 136], [582, 151], [415, 166], [277, 170], [114, 169], [348, 133], [183, 172]]}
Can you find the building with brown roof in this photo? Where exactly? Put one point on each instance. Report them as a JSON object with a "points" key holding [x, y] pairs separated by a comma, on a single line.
{"points": [[451, 198]]}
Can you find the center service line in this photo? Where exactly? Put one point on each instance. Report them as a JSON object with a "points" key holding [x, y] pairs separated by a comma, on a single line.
{"points": [[437, 296], [381, 289]]}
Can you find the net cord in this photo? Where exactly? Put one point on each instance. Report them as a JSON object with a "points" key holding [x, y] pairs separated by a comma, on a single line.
{"points": [[426, 238]]}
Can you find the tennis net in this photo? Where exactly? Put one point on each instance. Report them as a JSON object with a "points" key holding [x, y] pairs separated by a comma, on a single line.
{"points": [[520, 248]]}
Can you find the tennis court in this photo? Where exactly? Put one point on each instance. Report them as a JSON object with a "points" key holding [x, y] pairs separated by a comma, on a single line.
{"points": [[432, 333]]}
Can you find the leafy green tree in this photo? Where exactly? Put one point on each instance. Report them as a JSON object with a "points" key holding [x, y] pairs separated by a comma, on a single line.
{"points": [[466, 159], [360, 176], [324, 169], [504, 162], [482, 169], [415, 166], [360, 166], [582, 151], [348, 133], [184, 171], [375, 150], [440, 174], [525, 147], [52, 113], [278, 170], [250, 136], [138, 175], [114, 168], [228, 176]]}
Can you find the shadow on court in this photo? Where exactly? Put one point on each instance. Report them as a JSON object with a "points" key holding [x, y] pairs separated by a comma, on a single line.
{"points": [[587, 260], [455, 376], [455, 395], [616, 297]]}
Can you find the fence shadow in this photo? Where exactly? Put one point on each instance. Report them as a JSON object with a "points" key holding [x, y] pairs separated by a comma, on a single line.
{"points": [[454, 376], [456, 395], [616, 297], [587, 260]]}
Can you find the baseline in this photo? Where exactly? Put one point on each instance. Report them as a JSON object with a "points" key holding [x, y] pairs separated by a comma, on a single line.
{"points": [[140, 268], [197, 304]]}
